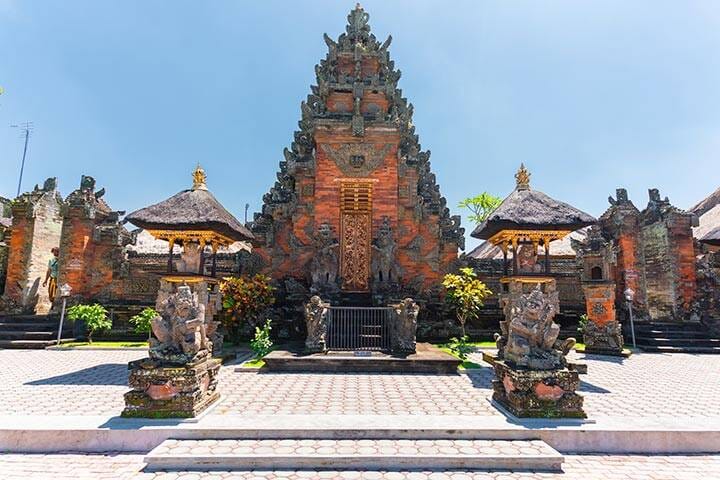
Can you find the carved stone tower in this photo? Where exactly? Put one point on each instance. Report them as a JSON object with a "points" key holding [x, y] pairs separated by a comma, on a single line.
{"points": [[356, 209]]}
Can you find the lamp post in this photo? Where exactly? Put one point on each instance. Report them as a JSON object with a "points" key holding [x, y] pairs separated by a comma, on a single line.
{"points": [[629, 295], [65, 290]]}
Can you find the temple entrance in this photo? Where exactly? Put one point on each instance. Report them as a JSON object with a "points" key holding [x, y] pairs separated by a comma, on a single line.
{"points": [[355, 235], [359, 328]]}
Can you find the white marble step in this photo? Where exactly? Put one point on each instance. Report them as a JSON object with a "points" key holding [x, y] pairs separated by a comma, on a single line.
{"points": [[365, 454]]}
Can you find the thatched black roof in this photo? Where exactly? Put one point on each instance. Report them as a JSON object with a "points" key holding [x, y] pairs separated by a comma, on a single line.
{"points": [[712, 237], [194, 209], [526, 209]]}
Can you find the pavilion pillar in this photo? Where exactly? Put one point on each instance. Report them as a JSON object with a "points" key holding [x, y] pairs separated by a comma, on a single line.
{"points": [[171, 243], [546, 245], [213, 271]]}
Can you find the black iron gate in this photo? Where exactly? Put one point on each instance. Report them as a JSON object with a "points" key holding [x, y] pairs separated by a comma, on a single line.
{"points": [[359, 328]]}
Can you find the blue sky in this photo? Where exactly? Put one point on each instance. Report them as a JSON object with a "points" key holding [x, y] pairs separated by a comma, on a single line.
{"points": [[591, 95]]}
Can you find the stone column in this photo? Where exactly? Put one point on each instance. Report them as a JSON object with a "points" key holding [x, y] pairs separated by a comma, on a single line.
{"points": [[603, 333]]}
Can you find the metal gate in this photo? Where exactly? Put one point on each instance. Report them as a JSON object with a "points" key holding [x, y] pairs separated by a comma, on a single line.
{"points": [[359, 328]]}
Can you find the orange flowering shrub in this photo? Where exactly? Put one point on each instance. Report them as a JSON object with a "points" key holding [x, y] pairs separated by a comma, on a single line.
{"points": [[243, 300]]}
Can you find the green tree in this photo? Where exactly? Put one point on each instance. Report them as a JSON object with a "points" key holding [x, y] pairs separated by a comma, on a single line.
{"points": [[143, 320], [465, 293], [94, 316], [481, 206]]}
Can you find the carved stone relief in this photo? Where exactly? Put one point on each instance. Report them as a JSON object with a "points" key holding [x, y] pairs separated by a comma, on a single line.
{"points": [[357, 159]]}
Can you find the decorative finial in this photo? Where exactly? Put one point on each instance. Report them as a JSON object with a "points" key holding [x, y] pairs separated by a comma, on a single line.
{"points": [[199, 178], [358, 6], [522, 177]]}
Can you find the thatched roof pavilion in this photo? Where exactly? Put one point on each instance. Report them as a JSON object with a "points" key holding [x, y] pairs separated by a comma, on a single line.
{"points": [[526, 209], [192, 216], [530, 217]]}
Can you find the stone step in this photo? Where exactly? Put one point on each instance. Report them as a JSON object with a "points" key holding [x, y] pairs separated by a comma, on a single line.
{"points": [[674, 327], [26, 344], [365, 454], [662, 334], [678, 349], [26, 335], [679, 342], [23, 325]]}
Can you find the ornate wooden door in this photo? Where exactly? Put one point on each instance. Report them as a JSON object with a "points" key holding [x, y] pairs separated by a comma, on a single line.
{"points": [[355, 236]]}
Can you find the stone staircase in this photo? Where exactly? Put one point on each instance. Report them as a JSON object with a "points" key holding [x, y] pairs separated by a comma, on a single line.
{"points": [[29, 331], [689, 337], [353, 454]]}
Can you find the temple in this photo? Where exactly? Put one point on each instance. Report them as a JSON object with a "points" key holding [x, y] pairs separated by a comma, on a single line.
{"points": [[356, 215], [356, 218]]}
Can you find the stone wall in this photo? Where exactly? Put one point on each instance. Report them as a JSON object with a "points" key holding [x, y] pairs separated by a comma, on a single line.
{"points": [[92, 248], [36, 226]]}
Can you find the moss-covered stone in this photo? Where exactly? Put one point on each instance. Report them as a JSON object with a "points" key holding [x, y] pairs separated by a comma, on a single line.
{"points": [[538, 393]]}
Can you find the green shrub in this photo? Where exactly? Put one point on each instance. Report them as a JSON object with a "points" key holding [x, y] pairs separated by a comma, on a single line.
{"points": [[582, 323], [261, 343], [94, 316], [143, 320], [461, 347], [465, 294]]}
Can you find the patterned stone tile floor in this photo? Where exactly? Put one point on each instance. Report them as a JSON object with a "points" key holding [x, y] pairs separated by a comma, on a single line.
{"points": [[586, 467], [37, 382]]}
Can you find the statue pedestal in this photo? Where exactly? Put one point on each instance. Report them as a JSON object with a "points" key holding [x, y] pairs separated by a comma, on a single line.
{"points": [[603, 333], [179, 378], [537, 393], [162, 391]]}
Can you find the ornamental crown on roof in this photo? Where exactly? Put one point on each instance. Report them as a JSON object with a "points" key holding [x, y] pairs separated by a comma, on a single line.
{"points": [[522, 178]]}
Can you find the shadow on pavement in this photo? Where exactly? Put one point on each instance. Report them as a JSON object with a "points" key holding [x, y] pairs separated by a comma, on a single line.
{"points": [[104, 374]]}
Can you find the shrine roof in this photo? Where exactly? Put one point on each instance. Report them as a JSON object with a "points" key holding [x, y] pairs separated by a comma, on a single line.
{"points": [[526, 209], [193, 209]]}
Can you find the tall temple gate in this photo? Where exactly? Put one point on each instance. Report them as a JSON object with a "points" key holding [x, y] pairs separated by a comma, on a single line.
{"points": [[356, 212]]}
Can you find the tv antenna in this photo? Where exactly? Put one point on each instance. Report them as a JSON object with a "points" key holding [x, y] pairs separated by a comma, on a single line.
{"points": [[25, 129]]}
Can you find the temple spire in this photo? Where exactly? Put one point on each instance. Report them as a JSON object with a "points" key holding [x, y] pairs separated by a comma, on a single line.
{"points": [[199, 178], [522, 178]]}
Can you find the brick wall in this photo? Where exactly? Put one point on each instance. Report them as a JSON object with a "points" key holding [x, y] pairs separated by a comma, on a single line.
{"points": [[36, 227]]}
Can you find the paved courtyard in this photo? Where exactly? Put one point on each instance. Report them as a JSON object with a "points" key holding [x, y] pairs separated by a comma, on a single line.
{"points": [[37, 382], [84, 383]]}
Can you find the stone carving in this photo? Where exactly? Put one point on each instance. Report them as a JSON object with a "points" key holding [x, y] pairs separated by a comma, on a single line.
{"points": [[355, 251], [528, 259], [324, 264], [181, 330], [384, 265], [406, 326], [357, 159], [316, 324], [190, 258], [532, 336], [599, 338]]}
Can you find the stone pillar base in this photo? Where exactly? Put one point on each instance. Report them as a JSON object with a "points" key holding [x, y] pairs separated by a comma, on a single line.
{"points": [[538, 393], [604, 339], [182, 391]]}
